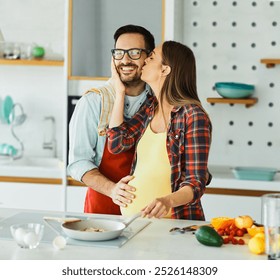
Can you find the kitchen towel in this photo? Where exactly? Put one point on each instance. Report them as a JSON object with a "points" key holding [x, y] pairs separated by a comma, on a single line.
{"points": [[108, 94]]}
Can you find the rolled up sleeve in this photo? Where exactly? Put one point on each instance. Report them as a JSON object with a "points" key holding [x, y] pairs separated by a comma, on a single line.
{"points": [[83, 136]]}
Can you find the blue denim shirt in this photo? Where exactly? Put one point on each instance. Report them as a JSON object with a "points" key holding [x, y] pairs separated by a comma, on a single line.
{"points": [[85, 144]]}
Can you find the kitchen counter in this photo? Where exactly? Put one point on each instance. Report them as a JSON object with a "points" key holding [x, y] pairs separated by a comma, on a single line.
{"points": [[224, 182], [154, 242], [50, 171]]}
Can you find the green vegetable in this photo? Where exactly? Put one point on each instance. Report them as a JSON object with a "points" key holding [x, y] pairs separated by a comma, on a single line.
{"points": [[208, 236]]}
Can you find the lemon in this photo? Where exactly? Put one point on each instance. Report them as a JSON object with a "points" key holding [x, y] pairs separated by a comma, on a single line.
{"points": [[257, 244], [260, 235], [255, 230]]}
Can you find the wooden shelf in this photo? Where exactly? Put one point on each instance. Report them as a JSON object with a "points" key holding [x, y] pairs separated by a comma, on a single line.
{"points": [[270, 62], [248, 102], [31, 62]]}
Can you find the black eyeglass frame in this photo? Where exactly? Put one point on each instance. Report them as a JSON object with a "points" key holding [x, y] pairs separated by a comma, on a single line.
{"points": [[127, 51]]}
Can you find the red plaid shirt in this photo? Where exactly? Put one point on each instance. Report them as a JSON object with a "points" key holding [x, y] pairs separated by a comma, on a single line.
{"points": [[188, 143]]}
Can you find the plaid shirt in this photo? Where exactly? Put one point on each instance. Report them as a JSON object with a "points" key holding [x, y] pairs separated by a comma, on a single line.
{"points": [[188, 143]]}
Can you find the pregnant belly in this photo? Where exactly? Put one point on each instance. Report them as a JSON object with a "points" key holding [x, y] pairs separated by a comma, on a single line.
{"points": [[146, 191]]}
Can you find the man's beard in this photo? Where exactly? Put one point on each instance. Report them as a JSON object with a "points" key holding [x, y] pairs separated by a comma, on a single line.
{"points": [[130, 81]]}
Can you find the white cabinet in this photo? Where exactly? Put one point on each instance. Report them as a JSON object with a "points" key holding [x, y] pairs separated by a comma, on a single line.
{"points": [[32, 196], [215, 205], [75, 197]]}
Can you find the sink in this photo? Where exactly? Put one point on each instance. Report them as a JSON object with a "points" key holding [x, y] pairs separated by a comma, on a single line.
{"points": [[41, 167]]}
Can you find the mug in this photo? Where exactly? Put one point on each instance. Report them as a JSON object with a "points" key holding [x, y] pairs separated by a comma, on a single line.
{"points": [[271, 222]]}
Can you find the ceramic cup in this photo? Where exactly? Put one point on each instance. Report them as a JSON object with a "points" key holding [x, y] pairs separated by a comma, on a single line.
{"points": [[271, 221]]}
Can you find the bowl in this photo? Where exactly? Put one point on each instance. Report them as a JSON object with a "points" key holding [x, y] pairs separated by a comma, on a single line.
{"points": [[254, 173], [27, 236], [234, 90]]}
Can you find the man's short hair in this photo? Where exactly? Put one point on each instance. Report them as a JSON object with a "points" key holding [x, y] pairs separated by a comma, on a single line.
{"points": [[130, 28]]}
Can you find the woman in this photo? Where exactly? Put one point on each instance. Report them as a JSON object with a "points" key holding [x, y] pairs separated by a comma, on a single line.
{"points": [[176, 114]]}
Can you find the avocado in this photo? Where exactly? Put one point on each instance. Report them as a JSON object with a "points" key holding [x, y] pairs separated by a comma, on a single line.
{"points": [[208, 236]]}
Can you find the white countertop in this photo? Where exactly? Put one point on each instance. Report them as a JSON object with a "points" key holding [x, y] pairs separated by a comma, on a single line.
{"points": [[152, 243]]}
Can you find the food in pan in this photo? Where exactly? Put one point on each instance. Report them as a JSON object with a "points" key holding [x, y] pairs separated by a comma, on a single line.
{"points": [[93, 229]]}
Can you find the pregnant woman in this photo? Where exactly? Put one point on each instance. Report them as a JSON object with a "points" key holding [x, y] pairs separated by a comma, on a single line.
{"points": [[172, 136]]}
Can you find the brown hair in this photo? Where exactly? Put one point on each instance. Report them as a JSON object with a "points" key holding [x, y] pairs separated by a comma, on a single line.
{"points": [[180, 85]]}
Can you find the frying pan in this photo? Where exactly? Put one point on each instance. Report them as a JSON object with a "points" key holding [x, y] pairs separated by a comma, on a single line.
{"points": [[111, 229]]}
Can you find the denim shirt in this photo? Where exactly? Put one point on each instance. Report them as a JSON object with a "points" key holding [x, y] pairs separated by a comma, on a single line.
{"points": [[85, 144]]}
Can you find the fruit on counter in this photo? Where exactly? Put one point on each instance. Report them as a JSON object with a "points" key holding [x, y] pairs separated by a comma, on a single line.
{"points": [[221, 222], [208, 236], [244, 221], [257, 244], [253, 230], [232, 234], [38, 52]]}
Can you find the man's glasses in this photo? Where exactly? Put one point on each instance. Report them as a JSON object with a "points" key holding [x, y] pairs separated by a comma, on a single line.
{"points": [[134, 54]]}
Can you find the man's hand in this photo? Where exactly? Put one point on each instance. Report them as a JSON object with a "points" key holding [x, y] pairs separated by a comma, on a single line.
{"points": [[122, 193]]}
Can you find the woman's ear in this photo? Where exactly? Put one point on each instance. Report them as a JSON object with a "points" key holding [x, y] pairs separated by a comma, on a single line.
{"points": [[165, 70]]}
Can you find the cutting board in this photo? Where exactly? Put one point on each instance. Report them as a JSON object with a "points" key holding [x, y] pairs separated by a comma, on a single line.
{"points": [[49, 234]]}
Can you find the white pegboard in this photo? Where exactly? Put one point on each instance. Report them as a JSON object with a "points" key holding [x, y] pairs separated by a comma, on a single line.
{"points": [[229, 38]]}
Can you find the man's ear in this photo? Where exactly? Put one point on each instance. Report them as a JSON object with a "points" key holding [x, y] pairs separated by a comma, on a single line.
{"points": [[165, 70]]}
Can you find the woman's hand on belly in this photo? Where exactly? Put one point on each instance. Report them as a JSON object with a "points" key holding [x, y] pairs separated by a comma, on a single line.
{"points": [[158, 208], [122, 193]]}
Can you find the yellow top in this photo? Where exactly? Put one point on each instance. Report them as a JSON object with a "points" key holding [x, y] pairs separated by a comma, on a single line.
{"points": [[152, 172]]}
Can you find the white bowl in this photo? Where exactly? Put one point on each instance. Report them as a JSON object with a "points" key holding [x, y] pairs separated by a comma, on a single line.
{"points": [[27, 236]]}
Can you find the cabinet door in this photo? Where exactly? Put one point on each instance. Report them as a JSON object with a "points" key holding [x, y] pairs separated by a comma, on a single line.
{"points": [[215, 205], [75, 199], [31, 196]]}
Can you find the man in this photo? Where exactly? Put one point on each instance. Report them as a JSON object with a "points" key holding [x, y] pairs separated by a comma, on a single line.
{"points": [[90, 162]]}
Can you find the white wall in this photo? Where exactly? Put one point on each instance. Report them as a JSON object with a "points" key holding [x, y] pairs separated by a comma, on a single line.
{"points": [[211, 28], [40, 90]]}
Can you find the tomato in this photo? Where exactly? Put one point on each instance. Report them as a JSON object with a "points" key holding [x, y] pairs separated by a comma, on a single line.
{"points": [[227, 231], [239, 232], [234, 241], [241, 241], [226, 240]]}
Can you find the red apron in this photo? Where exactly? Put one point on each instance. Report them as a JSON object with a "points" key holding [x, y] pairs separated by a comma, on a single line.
{"points": [[114, 167]]}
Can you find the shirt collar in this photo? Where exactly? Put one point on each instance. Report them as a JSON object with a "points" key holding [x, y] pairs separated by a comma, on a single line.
{"points": [[148, 90]]}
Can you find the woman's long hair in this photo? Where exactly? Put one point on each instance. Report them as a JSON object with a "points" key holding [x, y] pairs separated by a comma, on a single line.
{"points": [[179, 86]]}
